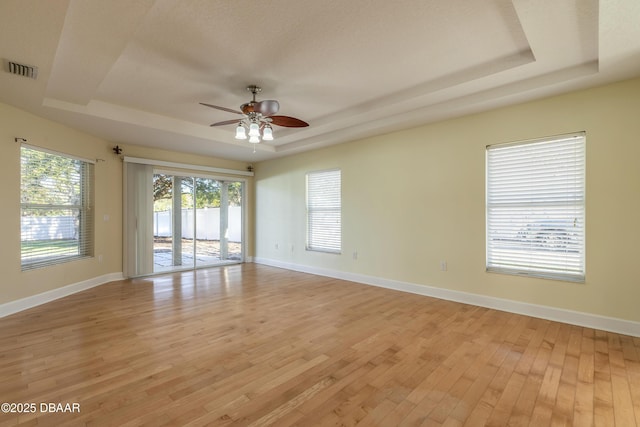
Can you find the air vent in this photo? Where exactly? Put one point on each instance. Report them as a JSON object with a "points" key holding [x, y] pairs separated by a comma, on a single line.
{"points": [[22, 70]]}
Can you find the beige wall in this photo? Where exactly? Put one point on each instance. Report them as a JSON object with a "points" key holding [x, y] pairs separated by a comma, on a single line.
{"points": [[410, 200], [414, 198], [15, 284]]}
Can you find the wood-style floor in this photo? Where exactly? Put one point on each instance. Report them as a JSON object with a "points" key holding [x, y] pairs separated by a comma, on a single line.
{"points": [[255, 345]]}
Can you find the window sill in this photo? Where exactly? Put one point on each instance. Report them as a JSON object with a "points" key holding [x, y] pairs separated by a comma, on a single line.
{"points": [[563, 277]]}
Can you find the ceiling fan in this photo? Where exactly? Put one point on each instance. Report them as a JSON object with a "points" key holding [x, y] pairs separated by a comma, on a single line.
{"points": [[257, 118]]}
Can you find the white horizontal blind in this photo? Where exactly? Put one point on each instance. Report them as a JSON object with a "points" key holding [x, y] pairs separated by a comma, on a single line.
{"points": [[57, 215], [535, 208], [324, 227]]}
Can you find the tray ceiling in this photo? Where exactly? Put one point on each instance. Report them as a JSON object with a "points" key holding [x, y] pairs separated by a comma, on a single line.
{"points": [[134, 72]]}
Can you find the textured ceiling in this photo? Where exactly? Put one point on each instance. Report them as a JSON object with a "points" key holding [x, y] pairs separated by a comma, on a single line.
{"points": [[134, 72]]}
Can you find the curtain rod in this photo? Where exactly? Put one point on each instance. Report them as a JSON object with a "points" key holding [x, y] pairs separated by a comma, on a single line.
{"points": [[23, 142], [186, 166]]}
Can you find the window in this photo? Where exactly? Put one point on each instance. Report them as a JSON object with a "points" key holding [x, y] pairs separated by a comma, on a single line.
{"points": [[197, 221], [324, 227], [56, 219], [535, 207]]}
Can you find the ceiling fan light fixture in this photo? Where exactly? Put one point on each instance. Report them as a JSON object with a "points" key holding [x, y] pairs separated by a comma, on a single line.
{"points": [[254, 129], [241, 132], [257, 119], [267, 133]]}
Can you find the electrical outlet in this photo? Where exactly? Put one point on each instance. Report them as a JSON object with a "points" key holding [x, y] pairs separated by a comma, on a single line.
{"points": [[276, 246], [443, 265], [355, 255]]}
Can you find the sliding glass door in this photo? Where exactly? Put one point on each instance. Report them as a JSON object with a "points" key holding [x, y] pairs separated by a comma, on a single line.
{"points": [[197, 221], [218, 219]]}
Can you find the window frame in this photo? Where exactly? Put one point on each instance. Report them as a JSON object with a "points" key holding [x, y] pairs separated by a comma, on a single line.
{"points": [[332, 243], [82, 209], [532, 234]]}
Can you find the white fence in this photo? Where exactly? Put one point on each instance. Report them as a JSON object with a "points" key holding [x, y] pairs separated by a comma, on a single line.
{"points": [[207, 220], [47, 227]]}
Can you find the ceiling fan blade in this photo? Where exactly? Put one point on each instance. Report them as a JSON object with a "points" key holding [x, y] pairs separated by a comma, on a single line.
{"points": [[267, 107], [226, 122], [221, 108], [288, 122]]}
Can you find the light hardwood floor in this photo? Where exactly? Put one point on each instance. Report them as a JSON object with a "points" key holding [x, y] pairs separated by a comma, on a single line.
{"points": [[255, 345]]}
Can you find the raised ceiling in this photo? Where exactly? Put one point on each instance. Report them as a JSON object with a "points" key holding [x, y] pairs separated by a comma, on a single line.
{"points": [[134, 72]]}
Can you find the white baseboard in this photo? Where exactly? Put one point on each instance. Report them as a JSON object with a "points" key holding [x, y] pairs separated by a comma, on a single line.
{"points": [[22, 304], [594, 321]]}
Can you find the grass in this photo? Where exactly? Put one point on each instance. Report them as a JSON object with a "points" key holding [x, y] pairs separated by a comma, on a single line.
{"points": [[39, 248]]}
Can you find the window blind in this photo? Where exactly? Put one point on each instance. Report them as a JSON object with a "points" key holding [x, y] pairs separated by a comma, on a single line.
{"points": [[57, 218], [535, 208], [324, 228]]}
